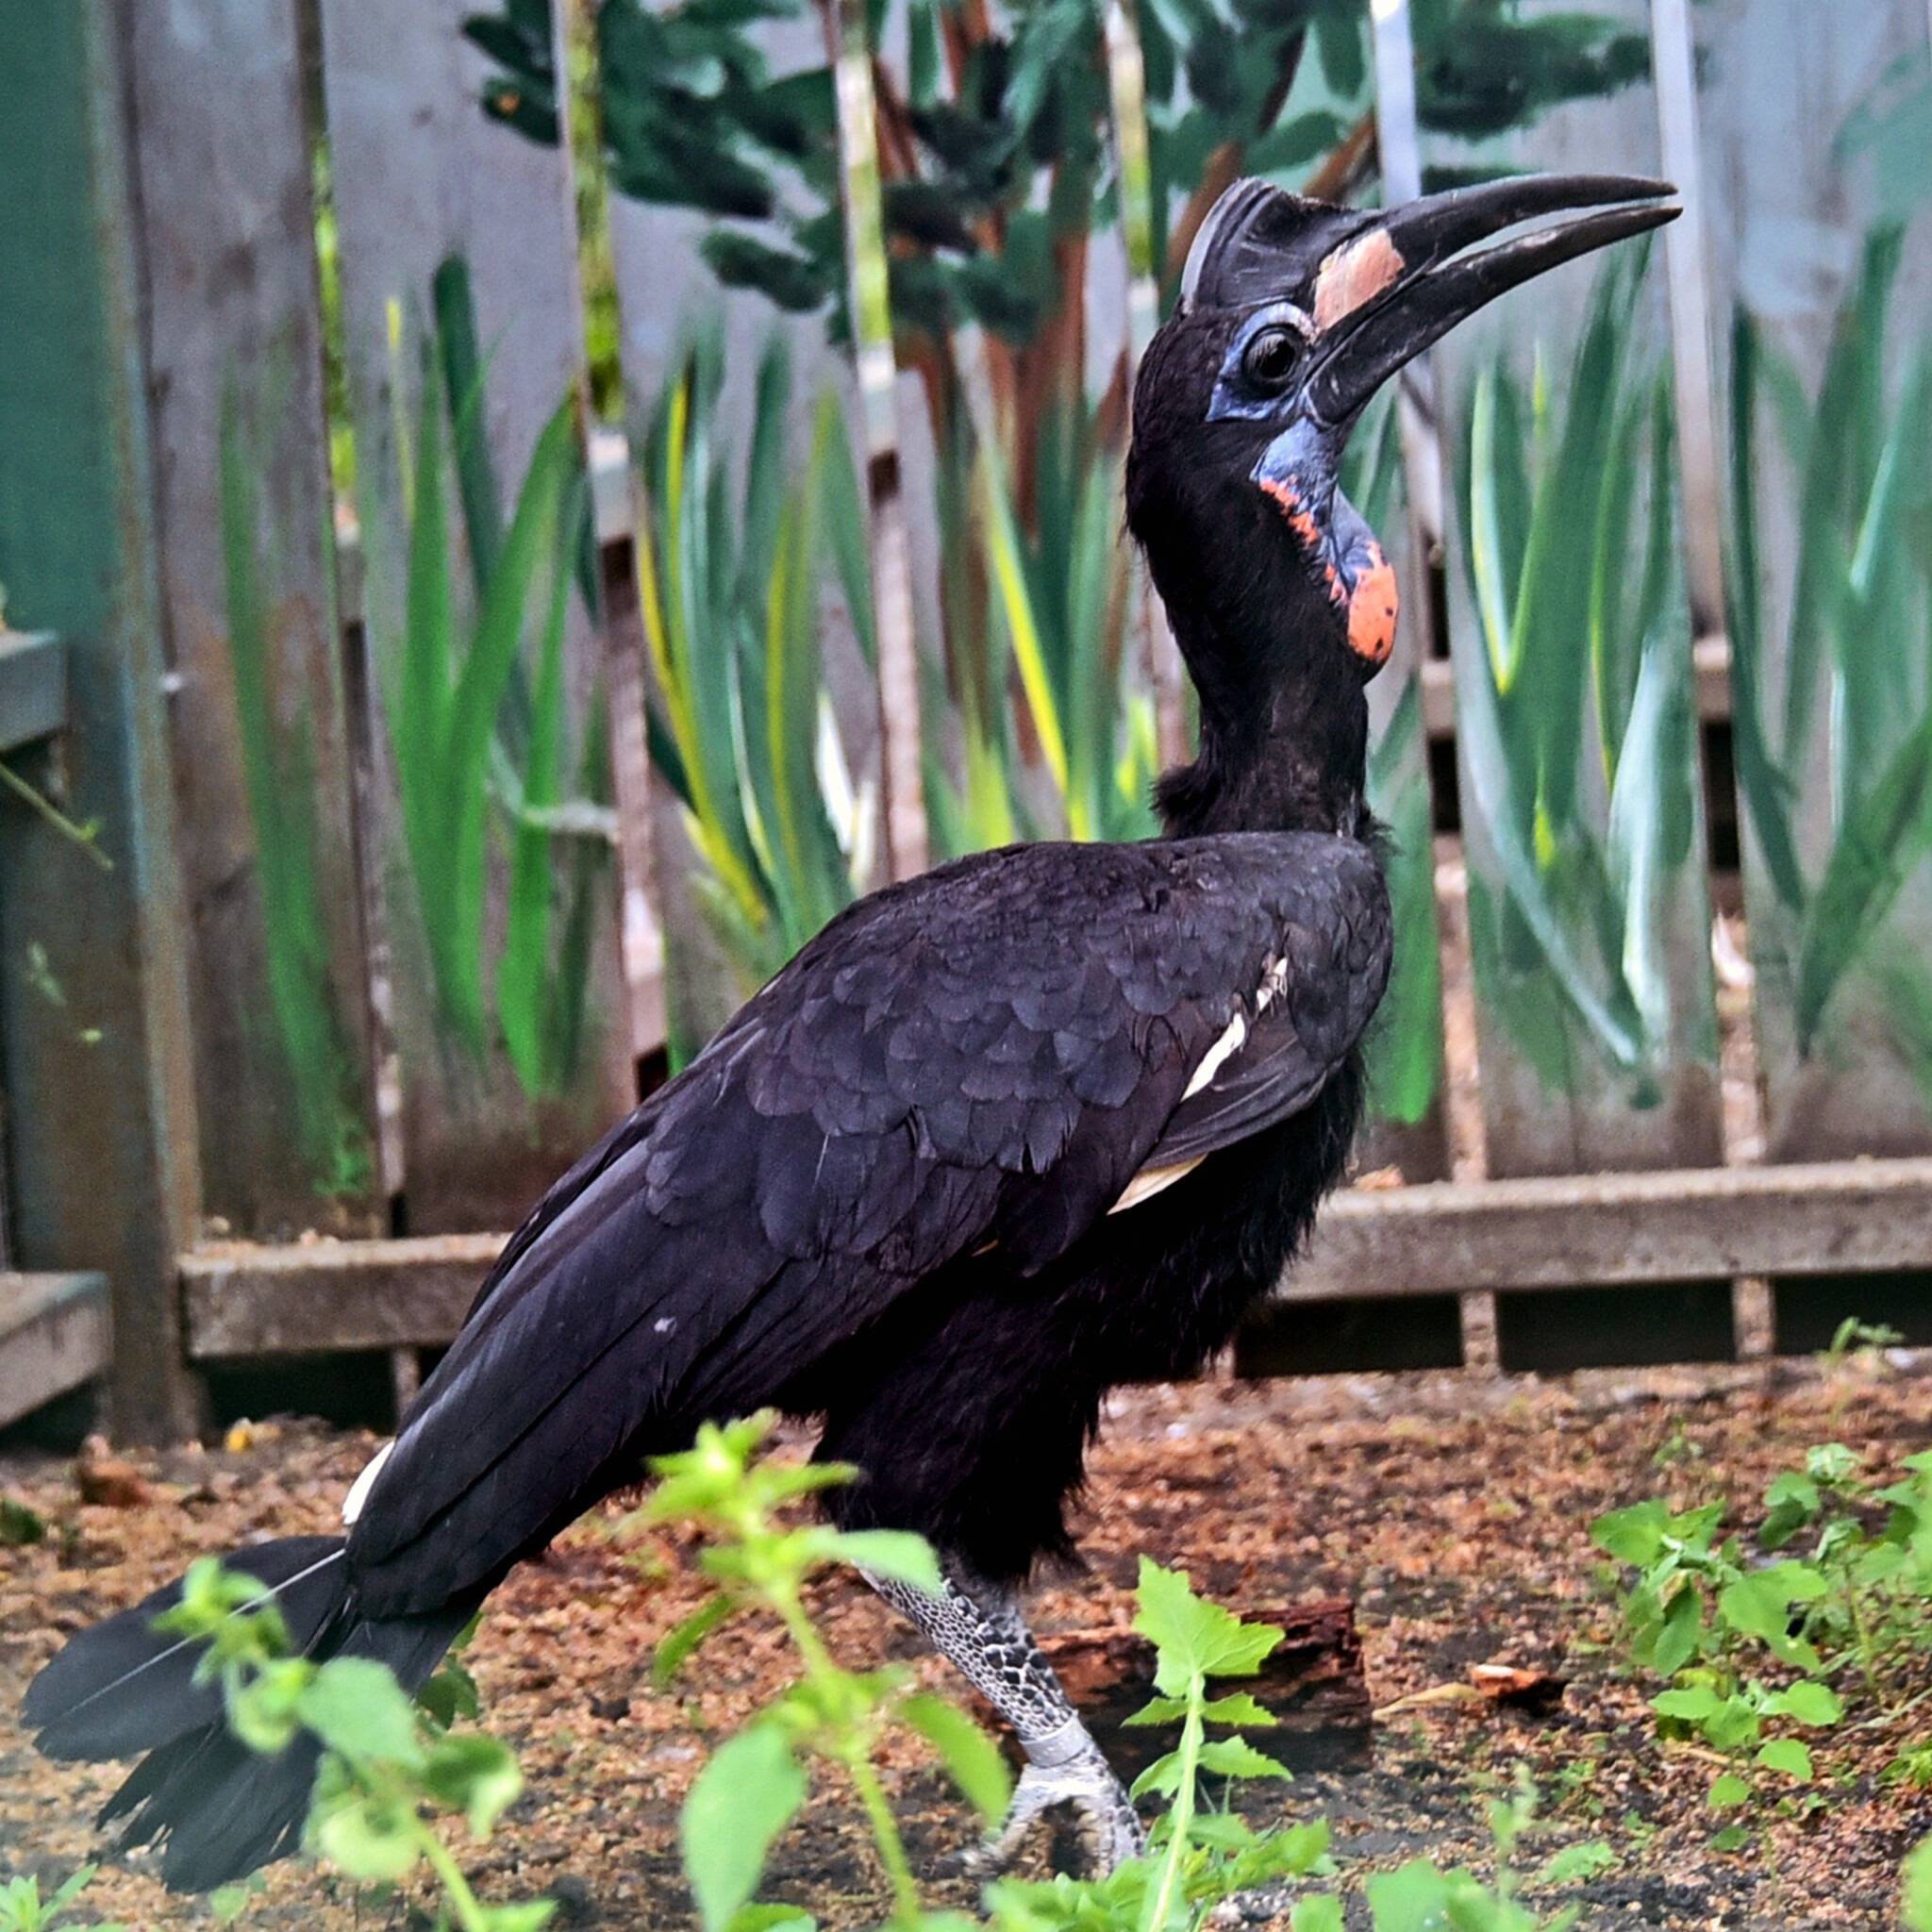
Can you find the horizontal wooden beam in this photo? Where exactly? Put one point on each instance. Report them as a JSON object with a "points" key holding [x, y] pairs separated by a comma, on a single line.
{"points": [[54, 1336], [1712, 657], [1852, 1217], [1587, 1231], [33, 688], [245, 1300]]}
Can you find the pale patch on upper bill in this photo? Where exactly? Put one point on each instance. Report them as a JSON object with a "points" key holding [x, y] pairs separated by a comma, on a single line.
{"points": [[1356, 272]]}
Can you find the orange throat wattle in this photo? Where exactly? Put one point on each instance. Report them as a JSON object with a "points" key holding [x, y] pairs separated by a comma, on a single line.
{"points": [[1368, 594]]}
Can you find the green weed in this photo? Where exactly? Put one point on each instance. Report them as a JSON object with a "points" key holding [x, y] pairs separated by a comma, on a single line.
{"points": [[22, 1909], [1759, 1657], [388, 1769]]}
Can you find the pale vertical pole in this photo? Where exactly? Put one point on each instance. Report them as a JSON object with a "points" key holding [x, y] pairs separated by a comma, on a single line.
{"points": [[1674, 59], [1127, 92], [869, 308]]}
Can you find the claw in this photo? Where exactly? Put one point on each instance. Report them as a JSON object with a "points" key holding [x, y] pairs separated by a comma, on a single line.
{"points": [[1109, 1832]]}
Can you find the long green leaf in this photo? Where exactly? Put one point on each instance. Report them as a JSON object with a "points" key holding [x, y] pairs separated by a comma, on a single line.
{"points": [[1871, 859], [523, 972], [1766, 791], [535, 526]]}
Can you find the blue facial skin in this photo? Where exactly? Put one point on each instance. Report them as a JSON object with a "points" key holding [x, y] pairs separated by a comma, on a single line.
{"points": [[1298, 470]]}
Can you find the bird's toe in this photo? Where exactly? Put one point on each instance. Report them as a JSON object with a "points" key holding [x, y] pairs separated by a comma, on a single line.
{"points": [[1109, 1832]]}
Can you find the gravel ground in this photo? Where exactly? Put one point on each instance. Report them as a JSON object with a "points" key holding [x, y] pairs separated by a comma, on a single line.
{"points": [[1453, 1509]]}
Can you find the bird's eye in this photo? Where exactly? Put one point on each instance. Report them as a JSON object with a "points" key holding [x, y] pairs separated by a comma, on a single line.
{"points": [[1269, 359]]}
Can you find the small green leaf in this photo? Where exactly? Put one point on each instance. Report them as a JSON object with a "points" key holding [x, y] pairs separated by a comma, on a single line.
{"points": [[375, 1841], [971, 1758], [1192, 1637], [355, 1707], [1159, 1711], [1162, 1777], [1237, 1758], [530, 1915], [265, 1710], [1787, 1755], [742, 1799], [1680, 1635], [897, 1555], [1635, 1535], [1694, 1704], [1575, 1863], [679, 1645], [1728, 1791], [474, 1775], [1809, 1701], [1915, 1905], [1320, 1914], [1413, 1898], [19, 1526]]}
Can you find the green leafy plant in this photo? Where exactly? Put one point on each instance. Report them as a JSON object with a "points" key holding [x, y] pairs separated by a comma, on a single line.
{"points": [[754, 1782], [1077, 758], [1858, 594], [1420, 1897], [1719, 1621], [758, 1779], [476, 739], [730, 584], [995, 140], [22, 1909], [279, 777], [387, 1768], [1575, 711]]}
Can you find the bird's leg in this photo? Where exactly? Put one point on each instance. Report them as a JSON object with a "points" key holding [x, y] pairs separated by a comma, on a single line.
{"points": [[979, 1628]]}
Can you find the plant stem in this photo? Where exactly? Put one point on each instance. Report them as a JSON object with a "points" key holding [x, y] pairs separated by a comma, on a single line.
{"points": [[1182, 1817], [850, 1748], [38, 800], [463, 1902], [470, 1914]]}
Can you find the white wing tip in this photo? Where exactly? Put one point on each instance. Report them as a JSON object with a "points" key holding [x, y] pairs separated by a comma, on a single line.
{"points": [[359, 1488]]}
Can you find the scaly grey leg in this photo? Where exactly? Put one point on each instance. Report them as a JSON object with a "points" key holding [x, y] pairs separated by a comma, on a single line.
{"points": [[979, 1627]]}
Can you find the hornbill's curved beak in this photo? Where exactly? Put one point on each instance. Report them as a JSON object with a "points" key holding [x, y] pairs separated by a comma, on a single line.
{"points": [[1403, 280]]}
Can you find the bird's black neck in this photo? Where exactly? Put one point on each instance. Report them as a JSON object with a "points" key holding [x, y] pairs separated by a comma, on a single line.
{"points": [[1284, 749]]}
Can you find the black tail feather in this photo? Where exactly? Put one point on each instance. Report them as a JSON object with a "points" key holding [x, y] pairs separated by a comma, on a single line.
{"points": [[216, 1808]]}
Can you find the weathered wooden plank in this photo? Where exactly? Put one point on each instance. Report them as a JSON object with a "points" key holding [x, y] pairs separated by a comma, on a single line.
{"points": [[233, 328], [1616, 1230], [1588, 909], [1440, 1238], [242, 1300], [102, 1131], [1832, 686], [54, 1336], [423, 178], [33, 688]]}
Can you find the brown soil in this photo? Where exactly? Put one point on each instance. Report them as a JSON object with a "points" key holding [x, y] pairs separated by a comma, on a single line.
{"points": [[1454, 1510]]}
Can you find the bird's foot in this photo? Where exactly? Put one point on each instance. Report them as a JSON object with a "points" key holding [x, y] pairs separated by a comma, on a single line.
{"points": [[1066, 1768]]}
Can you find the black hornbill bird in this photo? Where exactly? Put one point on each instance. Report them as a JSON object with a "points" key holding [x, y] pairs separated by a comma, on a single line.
{"points": [[1040, 1122]]}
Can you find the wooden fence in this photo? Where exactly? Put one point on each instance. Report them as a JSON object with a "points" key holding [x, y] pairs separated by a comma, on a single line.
{"points": [[255, 1104]]}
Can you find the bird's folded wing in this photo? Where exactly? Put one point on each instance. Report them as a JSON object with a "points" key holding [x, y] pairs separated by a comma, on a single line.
{"points": [[983, 1056]]}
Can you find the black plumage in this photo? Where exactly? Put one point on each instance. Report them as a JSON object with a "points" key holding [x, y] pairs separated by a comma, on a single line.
{"points": [[1040, 1122]]}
